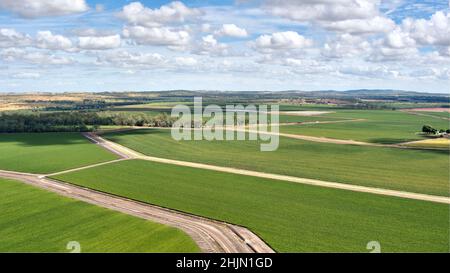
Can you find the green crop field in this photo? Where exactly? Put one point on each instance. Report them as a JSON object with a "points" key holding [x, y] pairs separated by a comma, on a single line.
{"points": [[379, 127], [392, 168], [290, 217], [34, 220], [436, 114], [292, 118], [48, 152]]}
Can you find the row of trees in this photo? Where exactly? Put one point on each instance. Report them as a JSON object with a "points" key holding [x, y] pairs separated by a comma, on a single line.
{"points": [[127, 119], [427, 129], [75, 121]]}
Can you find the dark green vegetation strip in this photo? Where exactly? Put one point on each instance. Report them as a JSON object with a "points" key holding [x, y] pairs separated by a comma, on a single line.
{"points": [[385, 127], [290, 217], [33, 220], [392, 168], [48, 152]]}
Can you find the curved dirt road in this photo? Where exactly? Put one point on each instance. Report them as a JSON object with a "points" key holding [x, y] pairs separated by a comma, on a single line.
{"points": [[210, 236], [380, 191]]}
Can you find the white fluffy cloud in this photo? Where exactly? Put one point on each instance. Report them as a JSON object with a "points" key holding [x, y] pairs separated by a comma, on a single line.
{"points": [[136, 14], [382, 54], [281, 41], [378, 71], [11, 38], [127, 59], [157, 36], [210, 46], [405, 39], [348, 16], [323, 10], [398, 39], [231, 30], [362, 26], [435, 31], [346, 46], [48, 40], [39, 8], [99, 42], [40, 58]]}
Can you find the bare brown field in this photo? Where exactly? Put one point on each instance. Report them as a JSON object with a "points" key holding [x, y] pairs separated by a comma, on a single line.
{"points": [[430, 110], [11, 102]]}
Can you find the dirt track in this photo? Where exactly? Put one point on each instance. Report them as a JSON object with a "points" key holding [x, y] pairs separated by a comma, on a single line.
{"points": [[133, 154], [322, 139], [211, 236]]}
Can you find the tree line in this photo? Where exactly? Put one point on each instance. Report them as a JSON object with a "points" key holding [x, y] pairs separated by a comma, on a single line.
{"points": [[427, 129], [75, 121]]}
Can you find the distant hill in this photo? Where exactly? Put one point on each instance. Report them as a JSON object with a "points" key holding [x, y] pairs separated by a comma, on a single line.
{"points": [[376, 92]]}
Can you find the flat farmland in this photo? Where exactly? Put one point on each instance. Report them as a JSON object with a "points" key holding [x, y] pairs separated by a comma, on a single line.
{"points": [[410, 170], [34, 220], [290, 217], [442, 143], [386, 127], [436, 114], [48, 152]]}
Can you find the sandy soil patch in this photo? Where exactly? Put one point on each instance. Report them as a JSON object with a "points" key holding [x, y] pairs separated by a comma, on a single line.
{"points": [[439, 143], [430, 110]]}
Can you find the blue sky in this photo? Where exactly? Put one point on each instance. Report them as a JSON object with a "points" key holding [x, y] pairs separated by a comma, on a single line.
{"points": [[79, 45]]}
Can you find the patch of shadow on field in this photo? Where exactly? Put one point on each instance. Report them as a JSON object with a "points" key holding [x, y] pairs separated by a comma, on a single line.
{"points": [[435, 151], [41, 139], [389, 140]]}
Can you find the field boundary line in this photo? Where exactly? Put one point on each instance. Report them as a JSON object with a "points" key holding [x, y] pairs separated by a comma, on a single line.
{"points": [[279, 177], [307, 181], [85, 167]]}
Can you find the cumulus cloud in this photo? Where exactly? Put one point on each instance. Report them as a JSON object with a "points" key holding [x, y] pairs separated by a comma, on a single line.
{"points": [[323, 10], [435, 31], [399, 39], [348, 16], [127, 59], [210, 46], [281, 41], [157, 36], [40, 58], [405, 39], [11, 38], [39, 8], [300, 66], [346, 46], [380, 71], [431, 73], [136, 14], [99, 42], [231, 30], [48, 40], [362, 26], [382, 54]]}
